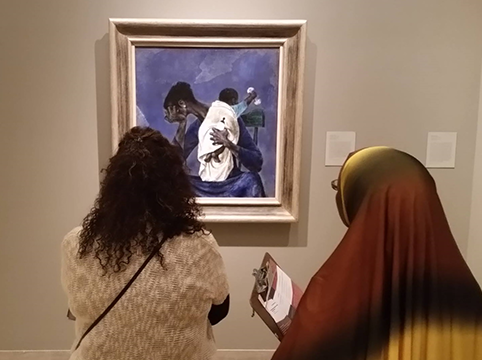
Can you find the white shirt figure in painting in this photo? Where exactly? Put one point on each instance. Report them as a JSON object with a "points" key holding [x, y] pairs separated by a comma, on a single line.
{"points": [[215, 161]]}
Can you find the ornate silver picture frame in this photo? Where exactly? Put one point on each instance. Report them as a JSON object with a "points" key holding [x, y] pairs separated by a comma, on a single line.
{"points": [[244, 79]]}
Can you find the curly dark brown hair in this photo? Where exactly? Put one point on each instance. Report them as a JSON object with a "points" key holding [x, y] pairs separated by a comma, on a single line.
{"points": [[145, 198]]}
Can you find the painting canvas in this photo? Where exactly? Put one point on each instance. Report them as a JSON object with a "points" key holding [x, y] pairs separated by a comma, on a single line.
{"points": [[178, 88], [228, 94]]}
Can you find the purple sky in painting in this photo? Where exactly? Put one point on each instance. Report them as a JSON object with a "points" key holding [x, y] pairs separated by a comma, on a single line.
{"points": [[209, 71]]}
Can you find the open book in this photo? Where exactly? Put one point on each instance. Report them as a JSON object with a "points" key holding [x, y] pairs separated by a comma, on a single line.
{"points": [[275, 296]]}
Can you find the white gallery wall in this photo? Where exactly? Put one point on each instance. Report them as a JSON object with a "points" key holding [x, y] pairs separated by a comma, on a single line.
{"points": [[389, 70]]}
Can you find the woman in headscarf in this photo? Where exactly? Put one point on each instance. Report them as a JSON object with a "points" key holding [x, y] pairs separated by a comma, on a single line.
{"points": [[397, 286]]}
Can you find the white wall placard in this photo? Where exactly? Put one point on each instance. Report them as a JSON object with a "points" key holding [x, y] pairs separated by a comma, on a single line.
{"points": [[441, 150], [339, 144]]}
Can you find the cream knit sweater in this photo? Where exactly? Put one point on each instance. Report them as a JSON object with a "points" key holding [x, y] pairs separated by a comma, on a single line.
{"points": [[163, 315]]}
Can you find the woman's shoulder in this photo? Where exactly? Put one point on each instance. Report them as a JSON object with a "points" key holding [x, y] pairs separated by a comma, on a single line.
{"points": [[71, 239], [200, 251], [207, 238], [201, 240]]}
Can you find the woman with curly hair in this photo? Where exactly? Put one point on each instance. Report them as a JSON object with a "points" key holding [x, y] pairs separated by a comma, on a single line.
{"points": [[145, 222]]}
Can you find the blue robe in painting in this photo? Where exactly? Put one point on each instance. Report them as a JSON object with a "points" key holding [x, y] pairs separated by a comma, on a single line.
{"points": [[239, 183]]}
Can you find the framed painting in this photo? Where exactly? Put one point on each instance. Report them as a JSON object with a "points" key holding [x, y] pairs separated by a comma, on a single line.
{"points": [[229, 95]]}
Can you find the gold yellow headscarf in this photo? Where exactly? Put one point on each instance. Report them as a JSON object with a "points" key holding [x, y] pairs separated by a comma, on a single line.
{"points": [[354, 165]]}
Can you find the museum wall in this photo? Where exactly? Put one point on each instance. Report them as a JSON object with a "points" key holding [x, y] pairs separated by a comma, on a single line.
{"points": [[389, 70]]}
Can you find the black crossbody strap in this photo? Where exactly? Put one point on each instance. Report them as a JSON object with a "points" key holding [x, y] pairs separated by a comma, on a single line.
{"points": [[118, 297]]}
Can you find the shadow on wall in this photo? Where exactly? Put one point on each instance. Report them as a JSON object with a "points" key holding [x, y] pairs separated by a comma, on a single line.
{"points": [[251, 235]]}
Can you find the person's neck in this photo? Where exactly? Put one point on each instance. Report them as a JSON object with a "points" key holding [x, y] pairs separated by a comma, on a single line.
{"points": [[198, 109]]}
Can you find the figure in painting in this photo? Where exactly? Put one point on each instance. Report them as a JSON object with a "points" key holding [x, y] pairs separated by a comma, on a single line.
{"points": [[179, 103], [230, 97], [216, 161]]}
